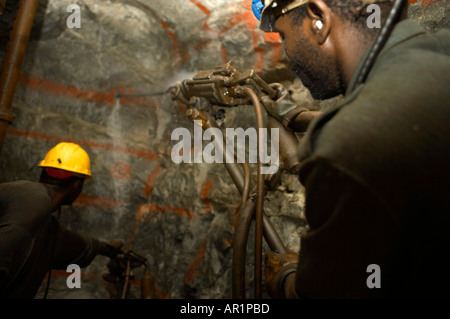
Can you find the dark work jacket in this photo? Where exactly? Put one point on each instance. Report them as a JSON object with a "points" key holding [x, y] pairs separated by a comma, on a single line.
{"points": [[376, 170], [32, 240]]}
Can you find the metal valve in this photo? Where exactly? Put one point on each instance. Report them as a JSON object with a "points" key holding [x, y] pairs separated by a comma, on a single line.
{"points": [[220, 86]]}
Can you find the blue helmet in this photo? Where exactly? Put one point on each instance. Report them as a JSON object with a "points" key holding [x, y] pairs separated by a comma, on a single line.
{"points": [[267, 11]]}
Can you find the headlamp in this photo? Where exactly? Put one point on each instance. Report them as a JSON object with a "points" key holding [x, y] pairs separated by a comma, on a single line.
{"points": [[268, 11]]}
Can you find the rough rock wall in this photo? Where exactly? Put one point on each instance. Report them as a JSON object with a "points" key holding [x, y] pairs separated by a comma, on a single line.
{"points": [[90, 86]]}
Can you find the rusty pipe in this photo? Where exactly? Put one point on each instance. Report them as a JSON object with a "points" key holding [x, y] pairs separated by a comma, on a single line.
{"points": [[259, 215], [270, 235], [246, 210], [242, 182], [147, 284], [2, 6], [302, 120], [127, 279], [15, 53], [246, 213], [288, 146], [240, 249], [246, 188]]}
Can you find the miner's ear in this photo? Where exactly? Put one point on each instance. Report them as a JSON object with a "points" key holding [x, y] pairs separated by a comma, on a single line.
{"points": [[320, 16]]}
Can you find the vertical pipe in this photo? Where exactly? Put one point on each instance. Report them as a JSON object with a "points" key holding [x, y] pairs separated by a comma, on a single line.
{"points": [[15, 52], [127, 279], [246, 214], [147, 285], [240, 249], [259, 215], [2, 6]]}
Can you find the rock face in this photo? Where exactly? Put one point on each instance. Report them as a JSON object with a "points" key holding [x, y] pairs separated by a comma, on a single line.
{"points": [[94, 86]]}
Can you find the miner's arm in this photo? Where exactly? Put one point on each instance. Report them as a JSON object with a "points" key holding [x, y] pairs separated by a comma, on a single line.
{"points": [[349, 230]]}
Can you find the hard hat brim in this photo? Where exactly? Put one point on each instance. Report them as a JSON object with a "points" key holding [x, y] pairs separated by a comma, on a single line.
{"points": [[85, 173], [272, 11]]}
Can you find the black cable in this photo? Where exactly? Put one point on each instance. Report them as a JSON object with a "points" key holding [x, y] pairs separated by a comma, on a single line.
{"points": [[379, 43]]}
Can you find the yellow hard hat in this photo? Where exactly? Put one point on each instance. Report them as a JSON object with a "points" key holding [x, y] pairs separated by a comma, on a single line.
{"points": [[68, 157]]}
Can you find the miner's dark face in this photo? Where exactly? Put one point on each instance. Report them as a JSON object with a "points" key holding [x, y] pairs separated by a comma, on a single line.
{"points": [[75, 190], [311, 60]]}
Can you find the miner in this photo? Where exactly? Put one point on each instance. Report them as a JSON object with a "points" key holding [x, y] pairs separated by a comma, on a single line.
{"points": [[376, 167], [32, 240]]}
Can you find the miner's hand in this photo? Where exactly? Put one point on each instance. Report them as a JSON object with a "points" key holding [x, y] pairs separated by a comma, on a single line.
{"points": [[278, 267], [111, 249], [284, 108]]}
